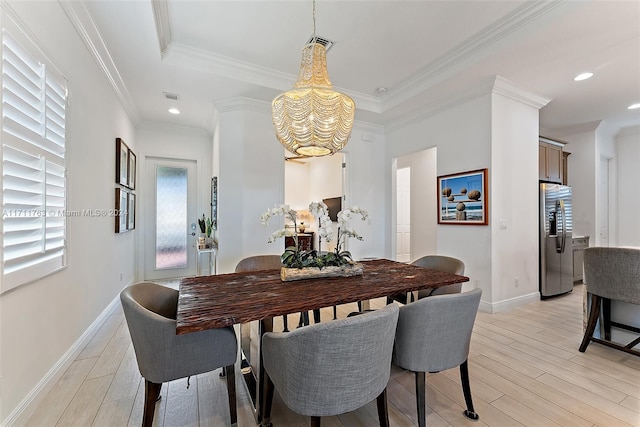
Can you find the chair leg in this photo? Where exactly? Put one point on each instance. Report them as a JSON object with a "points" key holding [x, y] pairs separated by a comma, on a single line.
{"points": [[466, 389], [231, 391], [594, 313], [606, 318], [304, 319], [268, 399], [315, 421], [383, 412], [335, 312], [286, 325], [420, 398], [151, 393], [316, 315]]}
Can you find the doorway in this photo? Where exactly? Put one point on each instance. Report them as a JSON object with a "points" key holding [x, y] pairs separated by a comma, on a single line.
{"points": [[169, 243], [403, 215], [415, 222], [313, 179]]}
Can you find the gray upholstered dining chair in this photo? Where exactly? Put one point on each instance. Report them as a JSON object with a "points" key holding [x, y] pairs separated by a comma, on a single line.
{"points": [[435, 262], [271, 262], [434, 334], [611, 274], [150, 310], [267, 262], [334, 367]]}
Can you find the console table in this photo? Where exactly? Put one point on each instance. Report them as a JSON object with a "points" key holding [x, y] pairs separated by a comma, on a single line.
{"points": [[212, 252]]}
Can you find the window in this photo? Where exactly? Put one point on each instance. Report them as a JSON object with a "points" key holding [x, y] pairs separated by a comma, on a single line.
{"points": [[34, 98]]}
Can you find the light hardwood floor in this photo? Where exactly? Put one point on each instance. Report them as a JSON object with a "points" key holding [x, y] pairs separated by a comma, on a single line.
{"points": [[525, 371]]}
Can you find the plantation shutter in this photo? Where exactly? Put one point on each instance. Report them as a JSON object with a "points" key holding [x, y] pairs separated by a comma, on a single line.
{"points": [[33, 164]]}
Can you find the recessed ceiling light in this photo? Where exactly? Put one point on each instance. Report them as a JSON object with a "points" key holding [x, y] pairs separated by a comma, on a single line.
{"points": [[583, 76], [634, 106], [174, 111]]}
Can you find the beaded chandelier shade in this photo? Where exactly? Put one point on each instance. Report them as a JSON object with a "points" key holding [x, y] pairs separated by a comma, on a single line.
{"points": [[312, 119]]}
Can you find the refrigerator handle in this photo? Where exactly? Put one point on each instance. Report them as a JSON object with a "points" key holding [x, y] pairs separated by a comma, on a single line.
{"points": [[564, 227]]}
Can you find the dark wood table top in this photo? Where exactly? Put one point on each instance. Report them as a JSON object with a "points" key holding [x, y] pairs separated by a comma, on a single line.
{"points": [[208, 302]]}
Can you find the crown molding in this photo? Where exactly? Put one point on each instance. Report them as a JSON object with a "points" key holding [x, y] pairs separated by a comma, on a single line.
{"points": [[466, 52], [563, 133], [248, 104], [208, 62], [629, 131], [438, 107], [86, 28], [243, 104], [497, 84], [369, 127], [161, 20], [504, 87]]}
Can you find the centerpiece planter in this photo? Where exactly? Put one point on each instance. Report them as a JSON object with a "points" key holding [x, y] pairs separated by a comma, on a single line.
{"points": [[290, 274]]}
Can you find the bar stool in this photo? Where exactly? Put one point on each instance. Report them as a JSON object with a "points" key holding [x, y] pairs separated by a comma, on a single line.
{"points": [[611, 274]]}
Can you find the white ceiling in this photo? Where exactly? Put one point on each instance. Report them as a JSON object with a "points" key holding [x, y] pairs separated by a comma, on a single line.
{"points": [[425, 53]]}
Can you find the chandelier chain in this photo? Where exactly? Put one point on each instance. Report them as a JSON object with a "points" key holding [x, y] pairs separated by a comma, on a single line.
{"points": [[314, 20]]}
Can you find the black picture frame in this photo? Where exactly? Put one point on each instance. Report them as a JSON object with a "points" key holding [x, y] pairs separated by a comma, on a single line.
{"points": [[120, 212], [131, 211], [214, 202], [131, 172], [122, 162]]}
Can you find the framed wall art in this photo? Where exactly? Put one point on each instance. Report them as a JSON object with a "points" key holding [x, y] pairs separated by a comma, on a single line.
{"points": [[122, 162], [131, 212], [121, 210], [131, 173], [462, 198], [214, 202]]}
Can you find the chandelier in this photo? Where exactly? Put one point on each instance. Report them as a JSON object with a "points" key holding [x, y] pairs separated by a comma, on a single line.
{"points": [[312, 119]]}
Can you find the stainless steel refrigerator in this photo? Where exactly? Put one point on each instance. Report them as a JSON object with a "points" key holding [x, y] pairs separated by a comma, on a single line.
{"points": [[556, 247]]}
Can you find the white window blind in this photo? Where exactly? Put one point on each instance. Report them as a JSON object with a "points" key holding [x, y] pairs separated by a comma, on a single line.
{"points": [[34, 102]]}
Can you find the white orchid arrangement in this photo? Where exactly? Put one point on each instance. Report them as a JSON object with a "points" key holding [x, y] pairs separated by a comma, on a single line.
{"points": [[287, 212], [295, 258]]}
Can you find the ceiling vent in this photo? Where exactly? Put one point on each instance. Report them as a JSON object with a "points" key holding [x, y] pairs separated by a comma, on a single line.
{"points": [[171, 96], [321, 40]]}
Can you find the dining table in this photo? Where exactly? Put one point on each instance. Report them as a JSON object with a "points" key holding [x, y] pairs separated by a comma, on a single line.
{"points": [[253, 299]]}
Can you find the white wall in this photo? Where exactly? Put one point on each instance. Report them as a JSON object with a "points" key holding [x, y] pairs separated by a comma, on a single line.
{"points": [[514, 199], [582, 178], [41, 321], [459, 149], [251, 179], [366, 181], [628, 180], [296, 184], [500, 133]]}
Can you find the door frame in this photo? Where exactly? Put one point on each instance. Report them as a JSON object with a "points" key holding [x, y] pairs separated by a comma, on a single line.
{"points": [[203, 188]]}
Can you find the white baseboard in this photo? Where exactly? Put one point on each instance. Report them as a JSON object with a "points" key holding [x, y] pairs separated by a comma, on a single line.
{"points": [[27, 406], [508, 304]]}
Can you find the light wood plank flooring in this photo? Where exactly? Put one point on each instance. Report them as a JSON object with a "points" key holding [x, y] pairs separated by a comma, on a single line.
{"points": [[525, 371]]}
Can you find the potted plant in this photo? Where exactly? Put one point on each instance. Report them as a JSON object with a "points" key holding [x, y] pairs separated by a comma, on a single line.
{"points": [[300, 264]]}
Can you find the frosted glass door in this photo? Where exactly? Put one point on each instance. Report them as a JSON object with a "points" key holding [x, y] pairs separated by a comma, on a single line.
{"points": [[170, 248], [171, 217]]}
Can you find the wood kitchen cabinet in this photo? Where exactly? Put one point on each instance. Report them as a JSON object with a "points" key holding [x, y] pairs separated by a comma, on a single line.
{"points": [[550, 160], [305, 241], [565, 168]]}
